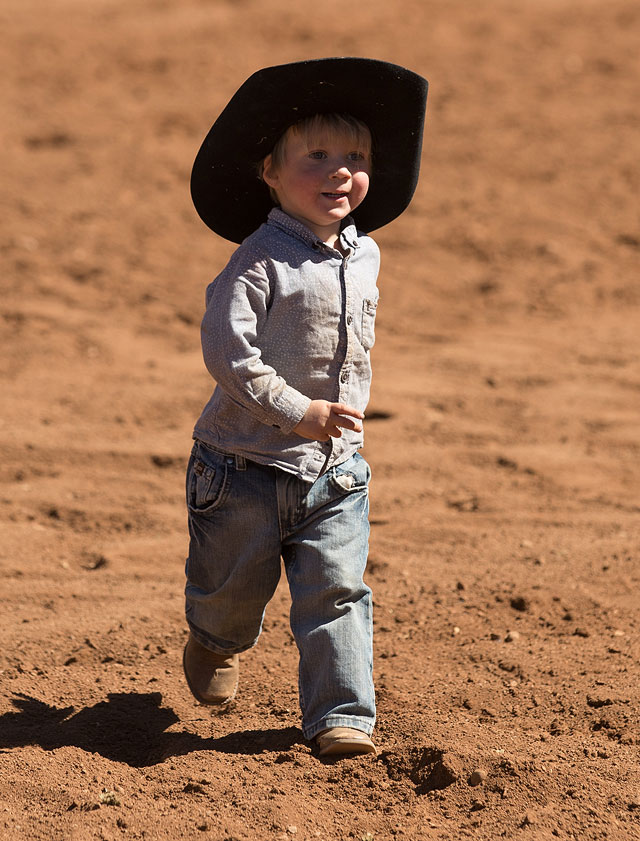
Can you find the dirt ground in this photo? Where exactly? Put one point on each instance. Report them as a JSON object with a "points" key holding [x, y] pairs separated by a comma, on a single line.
{"points": [[502, 432]]}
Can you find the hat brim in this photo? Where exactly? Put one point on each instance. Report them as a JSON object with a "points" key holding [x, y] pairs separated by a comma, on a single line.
{"points": [[226, 189]]}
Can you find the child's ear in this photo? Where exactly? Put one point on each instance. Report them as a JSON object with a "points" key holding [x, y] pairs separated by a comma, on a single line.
{"points": [[269, 174]]}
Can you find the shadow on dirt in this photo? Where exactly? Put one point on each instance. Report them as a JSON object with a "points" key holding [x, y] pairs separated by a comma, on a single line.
{"points": [[129, 727]]}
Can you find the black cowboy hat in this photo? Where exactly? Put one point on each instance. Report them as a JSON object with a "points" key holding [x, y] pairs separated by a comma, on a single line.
{"points": [[225, 186]]}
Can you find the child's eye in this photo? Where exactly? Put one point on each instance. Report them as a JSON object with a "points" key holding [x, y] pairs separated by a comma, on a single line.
{"points": [[356, 156], [317, 155]]}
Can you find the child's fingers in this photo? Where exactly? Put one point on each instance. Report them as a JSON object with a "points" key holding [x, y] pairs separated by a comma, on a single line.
{"points": [[344, 409], [345, 423]]}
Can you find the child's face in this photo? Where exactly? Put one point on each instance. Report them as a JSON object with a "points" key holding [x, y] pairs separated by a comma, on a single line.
{"points": [[322, 179]]}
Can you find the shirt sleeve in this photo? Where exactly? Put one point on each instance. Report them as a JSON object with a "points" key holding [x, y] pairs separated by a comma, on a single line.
{"points": [[237, 306]]}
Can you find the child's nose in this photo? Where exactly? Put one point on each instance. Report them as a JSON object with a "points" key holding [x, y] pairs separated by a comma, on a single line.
{"points": [[341, 171]]}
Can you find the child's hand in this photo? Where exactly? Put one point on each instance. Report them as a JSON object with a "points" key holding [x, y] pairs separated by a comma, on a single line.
{"points": [[323, 420]]}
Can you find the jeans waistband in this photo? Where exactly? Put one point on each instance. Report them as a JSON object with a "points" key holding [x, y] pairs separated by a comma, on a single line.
{"points": [[239, 460]]}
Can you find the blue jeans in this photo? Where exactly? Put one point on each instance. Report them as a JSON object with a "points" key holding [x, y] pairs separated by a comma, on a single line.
{"points": [[243, 517]]}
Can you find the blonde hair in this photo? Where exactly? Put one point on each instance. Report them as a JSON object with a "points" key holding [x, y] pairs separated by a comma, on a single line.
{"points": [[342, 125]]}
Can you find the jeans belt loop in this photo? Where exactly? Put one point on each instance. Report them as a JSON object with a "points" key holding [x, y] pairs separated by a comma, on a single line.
{"points": [[241, 462]]}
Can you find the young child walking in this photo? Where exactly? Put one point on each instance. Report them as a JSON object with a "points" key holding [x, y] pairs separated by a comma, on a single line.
{"points": [[305, 159]]}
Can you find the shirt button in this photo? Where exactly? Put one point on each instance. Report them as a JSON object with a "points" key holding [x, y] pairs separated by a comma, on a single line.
{"points": [[344, 376], [349, 319]]}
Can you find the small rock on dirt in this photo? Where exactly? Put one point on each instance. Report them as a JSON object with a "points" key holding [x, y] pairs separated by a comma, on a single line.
{"points": [[193, 788], [520, 603], [477, 776], [597, 703]]}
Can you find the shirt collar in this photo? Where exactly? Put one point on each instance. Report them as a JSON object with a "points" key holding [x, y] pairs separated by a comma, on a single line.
{"points": [[282, 220]]}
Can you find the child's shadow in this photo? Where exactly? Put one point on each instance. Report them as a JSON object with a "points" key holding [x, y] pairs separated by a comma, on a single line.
{"points": [[129, 727]]}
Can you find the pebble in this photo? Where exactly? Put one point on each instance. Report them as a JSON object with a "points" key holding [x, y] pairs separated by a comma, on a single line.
{"points": [[520, 603], [598, 702], [478, 776], [512, 636]]}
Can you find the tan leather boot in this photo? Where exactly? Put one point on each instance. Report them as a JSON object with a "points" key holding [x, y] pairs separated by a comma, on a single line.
{"points": [[212, 678], [343, 740]]}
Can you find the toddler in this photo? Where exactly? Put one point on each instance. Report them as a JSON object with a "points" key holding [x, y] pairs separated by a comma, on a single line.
{"points": [[304, 160]]}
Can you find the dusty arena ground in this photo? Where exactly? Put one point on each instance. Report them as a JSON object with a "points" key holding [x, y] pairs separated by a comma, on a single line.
{"points": [[503, 432]]}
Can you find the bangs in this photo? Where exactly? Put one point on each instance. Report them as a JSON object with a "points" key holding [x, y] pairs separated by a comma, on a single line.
{"points": [[321, 125], [334, 125]]}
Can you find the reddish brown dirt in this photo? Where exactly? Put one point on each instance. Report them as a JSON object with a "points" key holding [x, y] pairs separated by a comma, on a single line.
{"points": [[503, 432]]}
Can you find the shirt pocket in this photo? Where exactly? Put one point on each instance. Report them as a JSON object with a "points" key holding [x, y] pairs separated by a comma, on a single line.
{"points": [[369, 307]]}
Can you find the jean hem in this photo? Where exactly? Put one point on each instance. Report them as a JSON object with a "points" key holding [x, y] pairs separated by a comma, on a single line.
{"points": [[216, 645], [356, 722]]}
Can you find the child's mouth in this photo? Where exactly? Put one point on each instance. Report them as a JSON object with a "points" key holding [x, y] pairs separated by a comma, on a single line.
{"points": [[335, 195]]}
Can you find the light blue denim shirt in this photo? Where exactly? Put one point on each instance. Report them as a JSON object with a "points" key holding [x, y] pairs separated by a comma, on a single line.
{"points": [[289, 320]]}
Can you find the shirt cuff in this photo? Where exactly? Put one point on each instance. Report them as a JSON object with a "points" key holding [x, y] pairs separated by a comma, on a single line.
{"points": [[289, 408]]}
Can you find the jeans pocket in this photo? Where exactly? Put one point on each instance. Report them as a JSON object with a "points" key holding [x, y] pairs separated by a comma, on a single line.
{"points": [[351, 476], [207, 483]]}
